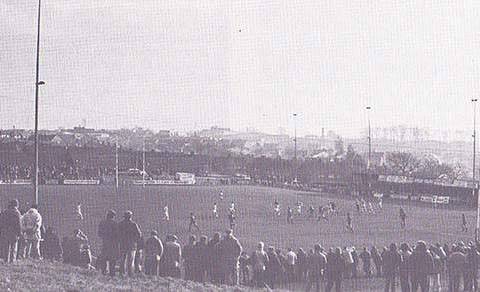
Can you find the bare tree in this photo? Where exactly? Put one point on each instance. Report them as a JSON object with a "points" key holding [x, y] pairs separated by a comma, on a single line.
{"points": [[402, 163]]}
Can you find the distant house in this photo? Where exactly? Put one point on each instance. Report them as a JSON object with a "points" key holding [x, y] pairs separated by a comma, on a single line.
{"points": [[13, 135], [377, 158], [73, 140], [164, 134]]}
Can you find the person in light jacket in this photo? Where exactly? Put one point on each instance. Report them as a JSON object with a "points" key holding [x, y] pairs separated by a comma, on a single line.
{"points": [[31, 224]]}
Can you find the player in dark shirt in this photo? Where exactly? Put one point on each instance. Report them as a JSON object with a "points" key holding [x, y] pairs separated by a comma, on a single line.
{"points": [[349, 223], [193, 222], [464, 223], [403, 218]]}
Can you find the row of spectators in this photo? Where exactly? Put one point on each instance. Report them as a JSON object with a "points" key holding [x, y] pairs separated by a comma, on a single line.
{"points": [[222, 260], [12, 172]]}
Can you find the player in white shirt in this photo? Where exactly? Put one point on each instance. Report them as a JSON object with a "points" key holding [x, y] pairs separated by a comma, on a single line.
{"points": [[299, 208], [215, 210], [380, 203], [78, 212], [166, 215], [370, 208], [276, 208], [232, 208], [221, 195]]}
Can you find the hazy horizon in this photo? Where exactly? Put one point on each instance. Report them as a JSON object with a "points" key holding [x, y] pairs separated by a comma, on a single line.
{"points": [[189, 65]]}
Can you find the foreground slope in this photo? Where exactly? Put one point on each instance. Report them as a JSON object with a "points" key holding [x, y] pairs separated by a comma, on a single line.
{"points": [[46, 276]]}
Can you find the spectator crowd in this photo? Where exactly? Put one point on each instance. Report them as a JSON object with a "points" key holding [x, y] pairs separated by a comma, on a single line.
{"points": [[222, 260]]}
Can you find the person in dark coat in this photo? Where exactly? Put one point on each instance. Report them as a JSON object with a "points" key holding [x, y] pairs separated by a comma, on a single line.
{"points": [[455, 266], [230, 251], [273, 268], [190, 259], [302, 265], [201, 249], [316, 266], [214, 269], [334, 270], [108, 233], [421, 266], [128, 236], [77, 244], [172, 254], [471, 269], [391, 263], [67, 250], [10, 231], [404, 267], [377, 260], [53, 249], [367, 262], [153, 253]]}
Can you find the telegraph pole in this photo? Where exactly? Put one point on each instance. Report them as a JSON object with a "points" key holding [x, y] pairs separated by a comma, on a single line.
{"points": [[474, 136], [116, 164], [143, 162], [37, 84], [295, 143], [368, 108]]}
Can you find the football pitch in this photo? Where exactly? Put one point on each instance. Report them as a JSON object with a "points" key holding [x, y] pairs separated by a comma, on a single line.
{"points": [[255, 216]]}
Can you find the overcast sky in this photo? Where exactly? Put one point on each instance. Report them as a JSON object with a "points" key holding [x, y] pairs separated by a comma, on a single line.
{"points": [[182, 65]]}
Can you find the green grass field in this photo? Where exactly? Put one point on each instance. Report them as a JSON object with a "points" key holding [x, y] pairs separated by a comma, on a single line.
{"points": [[255, 216], [254, 212]]}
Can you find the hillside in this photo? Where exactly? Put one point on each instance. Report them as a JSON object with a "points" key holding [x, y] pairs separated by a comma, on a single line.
{"points": [[45, 276]]}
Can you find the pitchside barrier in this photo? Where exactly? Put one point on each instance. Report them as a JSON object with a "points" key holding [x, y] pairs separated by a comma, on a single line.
{"points": [[81, 182], [162, 182], [423, 198], [17, 182]]}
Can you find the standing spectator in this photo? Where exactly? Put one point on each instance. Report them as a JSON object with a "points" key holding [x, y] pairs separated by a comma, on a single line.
{"points": [[455, 266], [77, 251], [244, 268], [214, 270], [334, 270], [32, 222], [273, 268], [437, 269], [108, 233], [377, 260], [201, 249], [291, 266], [259, 260], [172, 253], [138, 261], [355, 262], [53, 249], [348, 258], [153, 253], [301, 265], [404, 267], [283, 262], [10, 231], [316, 265], [471, 269], [230, 250], [391, 263], [421, 265], [129, 235], [367, 260], [190, 259]]}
